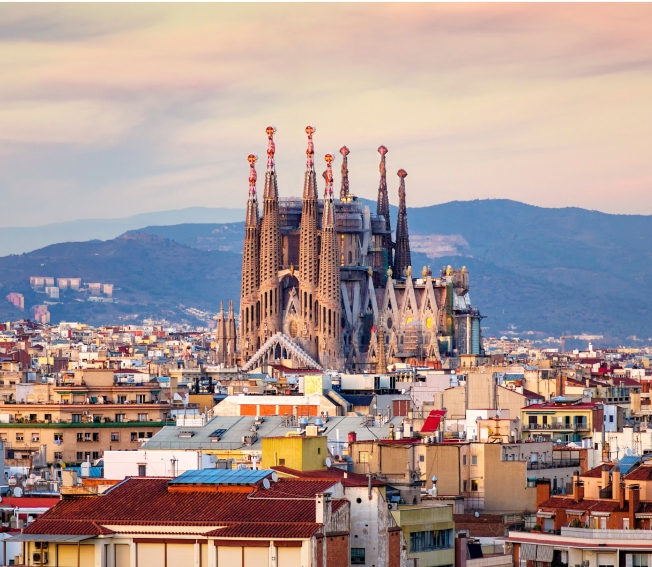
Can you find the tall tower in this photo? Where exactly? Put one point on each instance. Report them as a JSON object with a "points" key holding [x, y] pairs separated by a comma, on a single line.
{"points": [[249, 296], [270, 249], [403, 258], [382, 210], [230, 337], [330, 295], [308, 253], [344, 191], [220, 335]]}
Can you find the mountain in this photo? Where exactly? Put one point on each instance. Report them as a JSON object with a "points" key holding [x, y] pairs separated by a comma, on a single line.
{"points": [[153, 277], [18, 240], [546, 270]]}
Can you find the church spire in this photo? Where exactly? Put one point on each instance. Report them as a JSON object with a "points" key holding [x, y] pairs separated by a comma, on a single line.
{"points": [[249, 312], [344, 191], [383, 259], [270, 249], [403, 259], [330, 295], [308, 251], [382, 209]]}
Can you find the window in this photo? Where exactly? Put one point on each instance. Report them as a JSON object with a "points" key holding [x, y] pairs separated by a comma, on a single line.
{"points": [[96, 436], [87, 436], [363, 457], [625, 523], [638, 560], [141, 435], [142, 417], [422, 458], [474, 459], [35, 437], [150, 434], [119, 417], [474, 485], [115, 436], [611, 419], [20, 436], [122, 399], [134, 436], [58, 456], [357, 555], [80, 455], [141, 399], [142, 470], [80, 437], [87, 456], [464, 460], [430, 540], [48, 417], [281, 462], [58, 437], [76, 417], [464, 485], [96, 455]]}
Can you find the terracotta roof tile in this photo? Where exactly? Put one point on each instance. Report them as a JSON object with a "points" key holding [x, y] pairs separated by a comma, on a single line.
{"points": [[596, 472], [350, 480], [66, 527], [268, 529], [643, 472]]}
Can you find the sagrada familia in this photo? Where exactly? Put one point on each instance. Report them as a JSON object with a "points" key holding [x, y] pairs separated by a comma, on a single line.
{"points": [[325, 285]]}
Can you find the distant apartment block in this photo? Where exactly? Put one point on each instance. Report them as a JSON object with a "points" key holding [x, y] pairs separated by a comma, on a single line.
{"points": [[101, 288], [39, 282], [52, 292], [41, 314], [69, 283], [17, 300]]}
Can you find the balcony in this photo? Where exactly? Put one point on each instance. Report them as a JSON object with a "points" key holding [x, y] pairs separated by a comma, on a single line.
{"points": [[540, 465], [587, 533], [582, 426]]}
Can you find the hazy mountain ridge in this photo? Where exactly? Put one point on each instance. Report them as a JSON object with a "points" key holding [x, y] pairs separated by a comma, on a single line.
{"points": [[549, 270]]}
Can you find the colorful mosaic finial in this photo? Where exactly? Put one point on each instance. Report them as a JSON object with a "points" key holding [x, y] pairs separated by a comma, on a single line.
{"points": [[271, 148], [253, 176], [310, 152]]}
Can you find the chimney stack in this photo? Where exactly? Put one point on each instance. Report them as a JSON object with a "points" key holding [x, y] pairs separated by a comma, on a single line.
{"points": [[322, 508], [605, 476], [615, 484], [634, 499], [578, 487], [621, 495]]}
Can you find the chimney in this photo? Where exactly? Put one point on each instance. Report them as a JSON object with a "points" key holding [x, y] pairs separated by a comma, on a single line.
{"points": [[621, 495], [578, 487], [605, 476], [634, 499], [616, 490], [323, 508], [543, 490], [560, 388]]}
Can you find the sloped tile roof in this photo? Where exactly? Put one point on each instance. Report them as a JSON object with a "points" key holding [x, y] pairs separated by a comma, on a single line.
{"points": [[66, 527], [268, 529]]}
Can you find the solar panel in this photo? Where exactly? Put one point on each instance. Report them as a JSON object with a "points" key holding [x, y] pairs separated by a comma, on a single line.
{"points": [[222, 476], [218, 433]]}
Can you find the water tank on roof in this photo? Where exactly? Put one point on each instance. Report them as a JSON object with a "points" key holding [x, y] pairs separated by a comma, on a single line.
{"points": [[319, 422], [303, 421]]}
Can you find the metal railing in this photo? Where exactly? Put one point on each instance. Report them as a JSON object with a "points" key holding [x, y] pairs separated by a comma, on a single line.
{"points": [[540, 465], [555, 426]]}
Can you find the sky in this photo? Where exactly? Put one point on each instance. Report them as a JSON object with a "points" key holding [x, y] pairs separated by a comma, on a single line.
{"points": [[112, 110]]}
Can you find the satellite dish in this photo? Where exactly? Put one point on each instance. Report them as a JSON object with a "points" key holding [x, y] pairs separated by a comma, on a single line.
{"points": [[476, 514], [274, 477], [328, 462], [18, 492], [266, 483]]}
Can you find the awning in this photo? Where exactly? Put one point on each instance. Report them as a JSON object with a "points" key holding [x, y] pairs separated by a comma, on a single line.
{"points": [[433, 420], [546, 514], [51, 537]]}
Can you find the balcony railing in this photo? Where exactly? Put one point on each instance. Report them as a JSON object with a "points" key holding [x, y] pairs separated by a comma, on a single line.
{"points": [[556, 426], [540, 465], [587, 533]]}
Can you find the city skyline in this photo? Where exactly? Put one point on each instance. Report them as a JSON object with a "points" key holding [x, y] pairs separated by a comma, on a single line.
{"points": [[114, 110]]}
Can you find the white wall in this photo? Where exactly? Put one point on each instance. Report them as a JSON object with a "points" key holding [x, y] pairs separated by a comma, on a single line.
{"points": [[121, 464]]}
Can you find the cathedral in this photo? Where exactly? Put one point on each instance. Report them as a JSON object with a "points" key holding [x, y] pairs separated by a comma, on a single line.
{"points": [[326, 284]]}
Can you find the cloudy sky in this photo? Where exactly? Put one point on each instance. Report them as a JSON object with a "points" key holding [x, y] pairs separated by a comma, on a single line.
{"points": [[113, 110]]}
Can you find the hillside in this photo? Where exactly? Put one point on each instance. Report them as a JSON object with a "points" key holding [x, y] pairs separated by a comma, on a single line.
{"points": [[546, 270], [153, 276]]}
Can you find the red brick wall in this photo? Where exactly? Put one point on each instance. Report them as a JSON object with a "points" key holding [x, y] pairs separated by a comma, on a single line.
{"points": [[337, 551], [394, 554], [320, 551]]}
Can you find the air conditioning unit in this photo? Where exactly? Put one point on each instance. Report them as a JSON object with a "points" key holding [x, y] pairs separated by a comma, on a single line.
{"points": [[392, 505], [40, 558]]}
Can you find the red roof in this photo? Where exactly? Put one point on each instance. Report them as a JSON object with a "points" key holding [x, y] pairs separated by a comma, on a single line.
{"points": [[348, 479], [29, 502], [562, 405], [66, 527], [268, 529], [432, 421], [596, 472], [147, 501]]}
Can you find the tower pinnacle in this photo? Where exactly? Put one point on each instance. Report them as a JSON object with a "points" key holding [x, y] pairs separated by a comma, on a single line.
{"points": [[271, 147], [403, 260], [344, 191], [310, 151]]}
